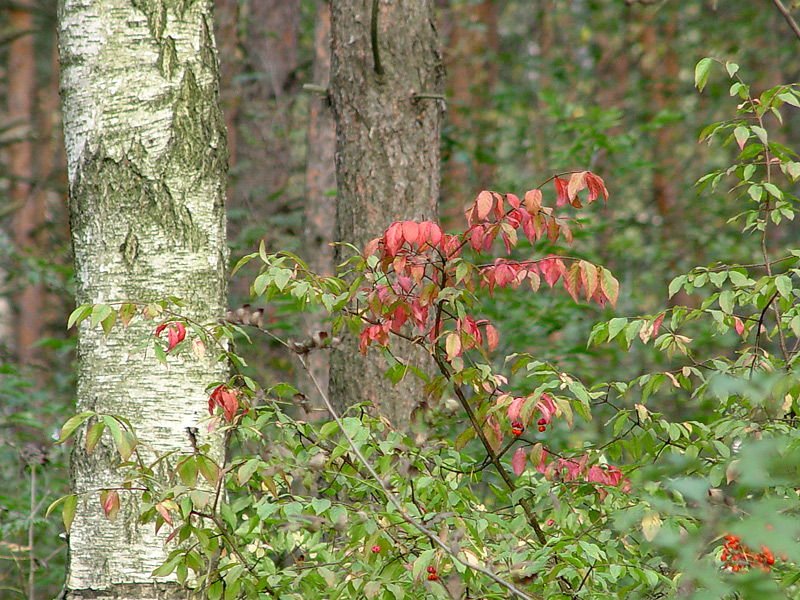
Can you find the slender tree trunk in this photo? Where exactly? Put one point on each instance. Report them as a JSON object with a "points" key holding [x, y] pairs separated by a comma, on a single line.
{"points": [[320, 206], [146, 159], [29, 215], [386, 81], [471, 75]]}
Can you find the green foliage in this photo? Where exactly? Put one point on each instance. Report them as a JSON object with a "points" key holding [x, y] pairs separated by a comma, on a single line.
{"points": [[517, 478]]}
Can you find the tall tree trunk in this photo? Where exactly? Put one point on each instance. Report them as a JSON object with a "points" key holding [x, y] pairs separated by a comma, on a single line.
{"points": [[386, 80], [320, 206], [472, 68], [146, 160], [29, 215]]}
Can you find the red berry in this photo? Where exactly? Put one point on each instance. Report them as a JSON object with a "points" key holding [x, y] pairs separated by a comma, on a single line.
{"points": [[431, 569], [433, 577], [376, 549], [542, 427], [541, 421]]}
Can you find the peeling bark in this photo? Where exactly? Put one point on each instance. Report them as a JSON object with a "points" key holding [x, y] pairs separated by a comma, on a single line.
{"points": [[146, 157]]}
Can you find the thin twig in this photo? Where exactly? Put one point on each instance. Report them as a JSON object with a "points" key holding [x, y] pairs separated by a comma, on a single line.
{"points": [[433, 537], [788, 16]]}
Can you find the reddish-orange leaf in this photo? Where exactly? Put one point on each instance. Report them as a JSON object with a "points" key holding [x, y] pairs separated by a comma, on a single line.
{"points": [[484, 204], [515, 407], [519, 460], [553, 230], [371, 247], [513, 200], [499, 206], [610, 287], [492, 337], [577, 182], [394, 238], [533, 201], [176, 335], [561, 190], [399, 265], [164, 512], [572, 281], [657, 324], [739, 325], [109, 500], [476, 237], [410, 231], [452, 346], [596, 187]]}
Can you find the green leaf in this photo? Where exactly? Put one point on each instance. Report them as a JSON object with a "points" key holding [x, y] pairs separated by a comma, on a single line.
{"points": [[760, 132], [784, 285], [732, 68], [126, 313], [701, 73], [100, 312], [246, 471], [79, 314], [108, 322], [72, 424], [741, 134], [68, 511], [93, 435]]}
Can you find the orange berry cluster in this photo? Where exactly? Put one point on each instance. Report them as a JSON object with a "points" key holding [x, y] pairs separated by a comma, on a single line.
{"points": [[739, 557], [432, 576], [517, 428]]}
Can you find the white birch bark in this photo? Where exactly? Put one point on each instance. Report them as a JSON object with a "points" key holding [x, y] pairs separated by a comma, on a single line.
{"points": [[145, 145]]}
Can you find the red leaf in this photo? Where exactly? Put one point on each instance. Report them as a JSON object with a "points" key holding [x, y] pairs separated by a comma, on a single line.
{"points": [[484, 204], [739, 325], [561, 190], [394, 238], [371, 247], [398, 318], [552, 268], [514, 407], [419, 313], [410, 232], [164, 513], [657, 324], [519, 460], [577, 182], [596, 187], [513, 200], [476, 237], [176, 335], [161, 328], [572, 281], [492, 337], [109, 500], [533, 201]]}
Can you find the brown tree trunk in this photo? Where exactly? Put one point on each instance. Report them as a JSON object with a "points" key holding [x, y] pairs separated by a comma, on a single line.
{"points": [[269, 47], [320, 206], [472, 73], [386, 84], [29, 206]]}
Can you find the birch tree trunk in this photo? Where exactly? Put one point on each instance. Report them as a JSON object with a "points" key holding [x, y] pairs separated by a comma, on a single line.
{"points": [[146, 158], [386, 85]]}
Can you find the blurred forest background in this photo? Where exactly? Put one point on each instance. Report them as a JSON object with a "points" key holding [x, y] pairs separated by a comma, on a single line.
{"points": [[534, 87]]}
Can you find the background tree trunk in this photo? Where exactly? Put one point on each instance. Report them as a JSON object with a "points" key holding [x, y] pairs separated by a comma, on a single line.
{"points": [[29, 206], [320, 205], [385, 67], [146, 159]]}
